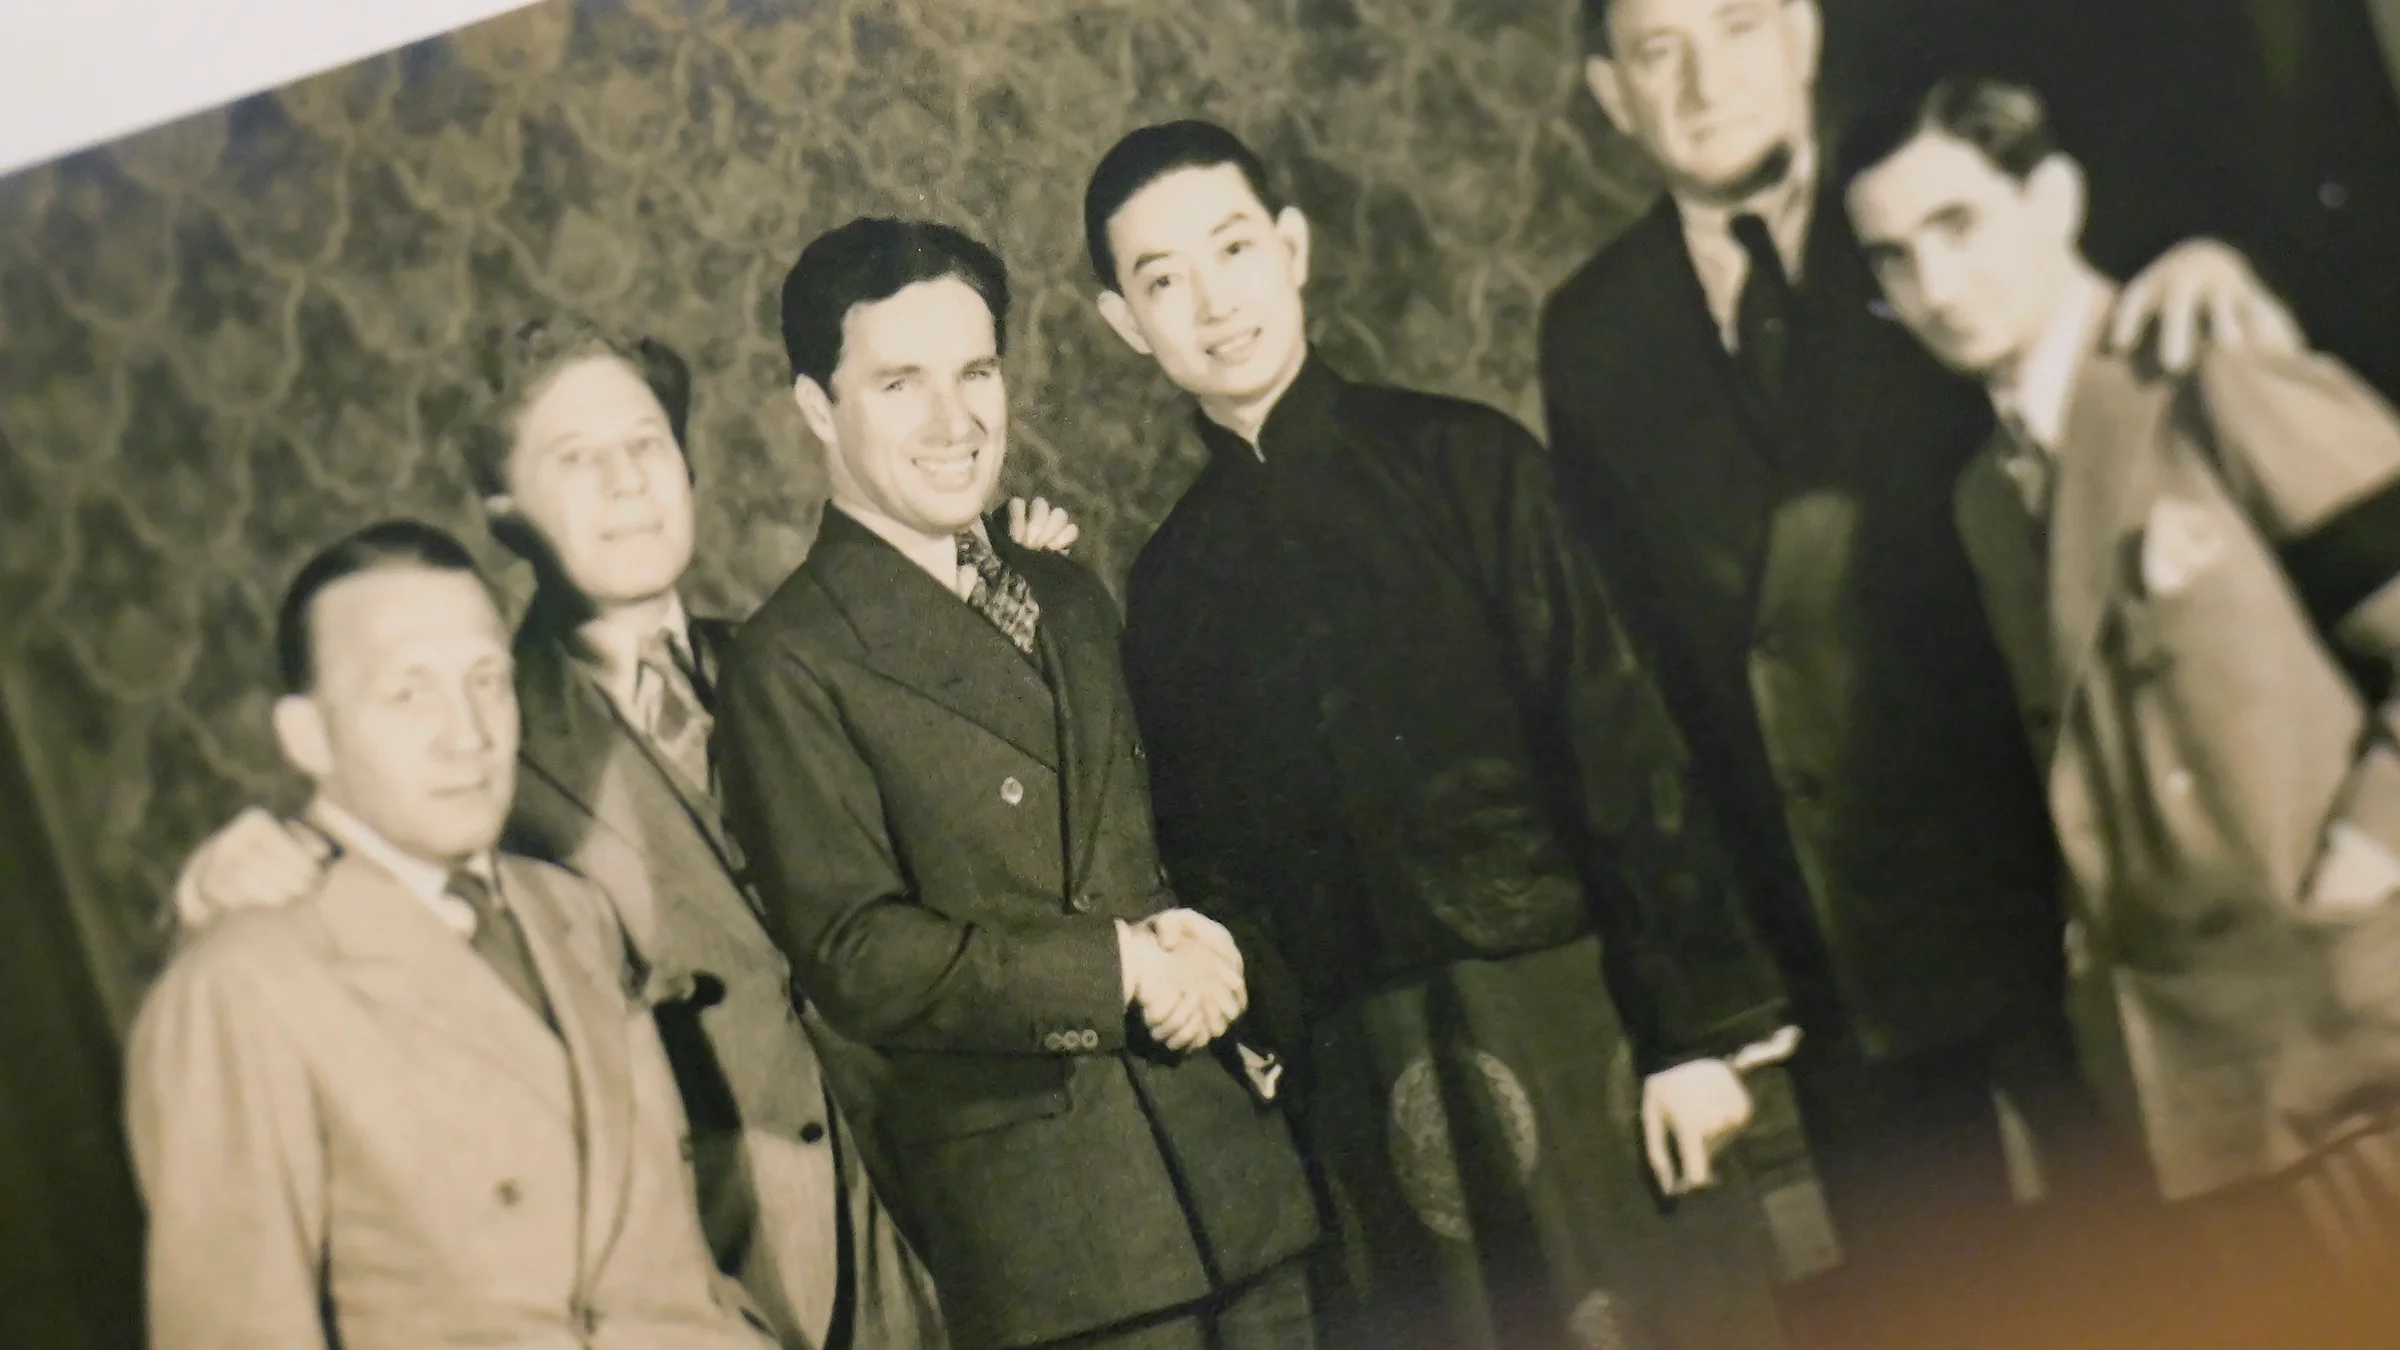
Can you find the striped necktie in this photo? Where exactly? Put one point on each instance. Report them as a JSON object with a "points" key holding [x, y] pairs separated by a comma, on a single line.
{"points": [[673, 717]]}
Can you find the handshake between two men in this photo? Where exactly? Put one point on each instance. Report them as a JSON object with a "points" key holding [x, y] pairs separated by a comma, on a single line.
{"points": [[1184, 975]]}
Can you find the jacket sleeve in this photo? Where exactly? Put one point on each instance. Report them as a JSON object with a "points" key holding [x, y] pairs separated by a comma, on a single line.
{"points": [[885, 967], [1688, 970], [2314, 457], [226, 1144]]}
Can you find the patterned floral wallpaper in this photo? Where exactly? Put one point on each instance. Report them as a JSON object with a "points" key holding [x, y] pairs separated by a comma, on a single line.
{"points": [[232, 338]]}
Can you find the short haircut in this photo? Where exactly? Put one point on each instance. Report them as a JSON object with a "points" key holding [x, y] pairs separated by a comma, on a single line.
{"points": [[1596, 41], [383, 546], [875, 258], [2006, 122], [514, 366], [1148, 154]]}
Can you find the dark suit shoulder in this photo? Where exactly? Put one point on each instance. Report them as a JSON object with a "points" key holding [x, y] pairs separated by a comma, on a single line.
{"points": [[1632, 261]]}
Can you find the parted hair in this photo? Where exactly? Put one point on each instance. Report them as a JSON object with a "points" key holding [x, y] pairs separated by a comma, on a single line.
{"points": [[382, 546], [875, 258], [2003, 120], [513, 366]]}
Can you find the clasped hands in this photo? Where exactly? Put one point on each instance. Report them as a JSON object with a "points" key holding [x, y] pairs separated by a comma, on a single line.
{"points": [[1184, 974]]}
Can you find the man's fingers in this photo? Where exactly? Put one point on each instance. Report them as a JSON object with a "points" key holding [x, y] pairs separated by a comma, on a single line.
{"points": [[1654, 1143], [1692, 1142], [2179, 318], [2228, 321], [2132, 319], [2272, 327]]}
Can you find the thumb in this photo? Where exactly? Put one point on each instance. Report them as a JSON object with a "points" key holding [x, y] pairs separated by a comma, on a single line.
{"points": [[1692, 1143]]}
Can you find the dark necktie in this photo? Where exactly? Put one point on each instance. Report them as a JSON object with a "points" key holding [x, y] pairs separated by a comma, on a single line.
{"points": [[676, 720], [501, 942], [1762, 319], [1001, 593]]}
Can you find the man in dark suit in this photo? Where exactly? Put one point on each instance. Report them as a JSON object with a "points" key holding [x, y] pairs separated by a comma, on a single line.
{"points": [[581, 454], [929, 757], [1765, 465]]}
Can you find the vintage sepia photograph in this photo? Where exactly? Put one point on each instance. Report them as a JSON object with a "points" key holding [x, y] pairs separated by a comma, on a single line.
{"points": [[1230, 675]]}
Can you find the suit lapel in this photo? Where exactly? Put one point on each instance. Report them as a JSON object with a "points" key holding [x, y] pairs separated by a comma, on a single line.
{"points": [[584, 973], [2000, 537], [577, 741], [398, 955], [1692, 329], [2109, 467], [922, 637], [1077, 653]]}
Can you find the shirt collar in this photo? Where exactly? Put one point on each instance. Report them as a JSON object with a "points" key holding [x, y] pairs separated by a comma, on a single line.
{"points": [[937, 554], [1294, 419], [613, 648], [2033, 396], [1788, 207], [428, 881]]}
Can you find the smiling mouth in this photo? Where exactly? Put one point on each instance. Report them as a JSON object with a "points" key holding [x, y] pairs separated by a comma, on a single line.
{"points": [[950, 471], [1234, 349]]}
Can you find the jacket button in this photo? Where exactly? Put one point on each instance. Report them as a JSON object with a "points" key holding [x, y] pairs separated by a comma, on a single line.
{"points": [[1090, 1039], [1080, 902], [1138, 752], [508, 1194], [812, 1133], [1011, 791], [1053, 1041]]}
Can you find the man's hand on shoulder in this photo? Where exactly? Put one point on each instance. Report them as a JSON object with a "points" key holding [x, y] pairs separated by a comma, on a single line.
{"points": [[255, 862], [1039, 525], [2201, 293]]}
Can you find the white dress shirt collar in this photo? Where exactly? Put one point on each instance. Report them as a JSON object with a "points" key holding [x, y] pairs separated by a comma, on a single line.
{"points": [[1720, 260], [937, 554], [429, 882], [615, 647], [2033, 395]]}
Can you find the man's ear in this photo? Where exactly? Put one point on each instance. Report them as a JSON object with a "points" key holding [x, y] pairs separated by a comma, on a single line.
{"points": [[1607, 83], [300, 733], [1119, 315], [2057, 190], [816, 408], [1292, 227]]}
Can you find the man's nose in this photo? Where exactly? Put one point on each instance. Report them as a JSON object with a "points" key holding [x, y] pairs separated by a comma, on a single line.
{"points": [[469, 727], [1206, 292], [1707, 76], [948, 417], [619, 475]]}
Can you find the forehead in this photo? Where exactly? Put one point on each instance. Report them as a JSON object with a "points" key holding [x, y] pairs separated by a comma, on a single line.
{"points": [[391, 615], [1932, 171], [941, 322], [1179, 204], [1639, 18], [586, 394]]}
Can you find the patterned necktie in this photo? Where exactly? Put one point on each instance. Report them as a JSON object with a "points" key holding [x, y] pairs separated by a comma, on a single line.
{"points": [[501, 942], [2031, 469], [1762, 318], [1001, 593], [673, 716]]}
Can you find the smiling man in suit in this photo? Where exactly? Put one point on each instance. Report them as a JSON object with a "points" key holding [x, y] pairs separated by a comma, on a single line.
{"points": [[2194, 580], [580, 453], [426, 1105], [930, 759]]}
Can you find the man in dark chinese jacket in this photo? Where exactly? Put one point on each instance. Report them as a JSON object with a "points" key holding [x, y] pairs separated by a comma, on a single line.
{"points": [[1399, 745]]}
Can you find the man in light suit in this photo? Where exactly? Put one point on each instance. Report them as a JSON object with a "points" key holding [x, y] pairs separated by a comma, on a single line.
{"points": [[929, 757], [580, 455], [2193, 578], [427, 1104]]}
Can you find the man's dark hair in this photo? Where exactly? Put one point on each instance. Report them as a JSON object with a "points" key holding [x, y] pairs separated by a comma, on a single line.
{"points": [[382, 546], [1146, 155], [2006, 122], [514, 365], [875, 258]]}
